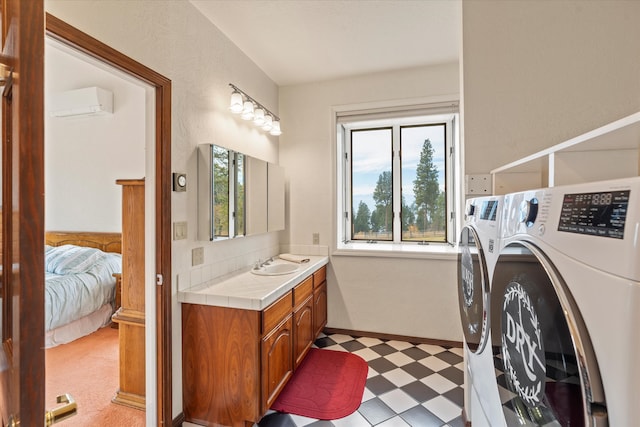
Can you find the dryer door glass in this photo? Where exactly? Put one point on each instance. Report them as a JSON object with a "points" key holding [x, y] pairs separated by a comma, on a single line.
{"points": [[473, 290], [536, 358]]}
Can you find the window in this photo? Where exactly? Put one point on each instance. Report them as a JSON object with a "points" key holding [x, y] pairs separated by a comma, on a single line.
{"points": [[397, 177]]}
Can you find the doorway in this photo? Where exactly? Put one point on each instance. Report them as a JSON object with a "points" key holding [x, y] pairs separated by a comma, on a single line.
{"points": [[157, 222], [85, 156]]}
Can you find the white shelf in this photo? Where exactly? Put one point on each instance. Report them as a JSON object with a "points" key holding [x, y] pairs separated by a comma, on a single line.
{"points": [[608, 152]]}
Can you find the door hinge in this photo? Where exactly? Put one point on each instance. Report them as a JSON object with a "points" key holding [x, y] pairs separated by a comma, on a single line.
{"points": [[159, 279]]}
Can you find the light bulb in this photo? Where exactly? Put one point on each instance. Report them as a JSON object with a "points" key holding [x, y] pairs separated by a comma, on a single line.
{"points": [[247, 110], [258, 117], [236, 102], [266, 126], [275, 128]]}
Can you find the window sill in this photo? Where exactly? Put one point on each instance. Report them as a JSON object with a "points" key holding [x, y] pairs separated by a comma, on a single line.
{"points": [[395, 250]]}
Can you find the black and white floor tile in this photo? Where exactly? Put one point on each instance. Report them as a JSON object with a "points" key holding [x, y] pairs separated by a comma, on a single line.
{"points": [[560, 369], [417, 385]]}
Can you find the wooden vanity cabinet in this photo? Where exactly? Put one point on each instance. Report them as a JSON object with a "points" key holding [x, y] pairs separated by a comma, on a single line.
{"points": [[303, 332], [319, 300], [220, 364], [277, 364], [236, 362]]}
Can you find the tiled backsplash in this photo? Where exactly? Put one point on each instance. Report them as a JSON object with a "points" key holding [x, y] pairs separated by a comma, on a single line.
{"points": [[227, 261]]}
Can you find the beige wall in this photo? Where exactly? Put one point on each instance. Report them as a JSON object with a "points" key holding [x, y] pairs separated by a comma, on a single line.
{"points": [[537, 73], [394, 295]]}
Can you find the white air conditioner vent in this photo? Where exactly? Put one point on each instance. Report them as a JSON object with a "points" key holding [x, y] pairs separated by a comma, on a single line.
{"points": [[88, 100]]}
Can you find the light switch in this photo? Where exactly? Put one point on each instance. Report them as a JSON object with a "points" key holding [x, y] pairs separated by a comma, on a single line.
{"points": [[179, 230], [197, 256]]}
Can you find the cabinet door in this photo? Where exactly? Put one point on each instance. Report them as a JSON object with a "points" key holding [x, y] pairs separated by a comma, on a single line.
{"points": [[303, 331], [277, 365], [319, 308]]}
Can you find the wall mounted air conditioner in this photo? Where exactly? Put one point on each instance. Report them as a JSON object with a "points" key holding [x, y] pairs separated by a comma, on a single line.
{"points": [[78, 102]]}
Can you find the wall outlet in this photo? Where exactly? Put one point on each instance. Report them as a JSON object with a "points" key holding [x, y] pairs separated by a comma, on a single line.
{"points": [[179, 230], [316, 238], [197, 256]]}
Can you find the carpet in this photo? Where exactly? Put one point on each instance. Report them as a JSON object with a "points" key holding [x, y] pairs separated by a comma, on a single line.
{"points": [[327, 385], [88, 370]]}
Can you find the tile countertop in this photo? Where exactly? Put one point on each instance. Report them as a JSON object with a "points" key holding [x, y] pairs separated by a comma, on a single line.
{"points": [[249, 291]]}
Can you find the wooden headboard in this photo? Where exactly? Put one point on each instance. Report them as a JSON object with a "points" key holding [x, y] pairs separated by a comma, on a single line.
{"points": [[107, 242]]}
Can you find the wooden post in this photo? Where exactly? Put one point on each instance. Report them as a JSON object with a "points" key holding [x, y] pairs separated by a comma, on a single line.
{"points": [[130, 316]]}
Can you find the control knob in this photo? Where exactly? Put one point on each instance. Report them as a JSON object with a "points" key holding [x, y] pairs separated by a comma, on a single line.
{"points": [[528, 211], [471, 210]]}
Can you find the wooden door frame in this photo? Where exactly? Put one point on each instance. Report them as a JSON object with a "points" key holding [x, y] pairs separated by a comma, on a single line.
{"points": [[23, 196], [81, 41]]}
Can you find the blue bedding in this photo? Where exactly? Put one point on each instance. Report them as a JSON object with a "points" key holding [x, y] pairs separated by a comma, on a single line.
{"points": [[78, 281]]}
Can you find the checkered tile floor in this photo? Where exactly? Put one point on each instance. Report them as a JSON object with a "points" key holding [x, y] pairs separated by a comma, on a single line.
{"points": [[416, 385], [561, 370]]}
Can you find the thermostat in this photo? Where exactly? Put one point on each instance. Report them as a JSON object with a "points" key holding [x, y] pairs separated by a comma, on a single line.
{"points": [[179, 181]]}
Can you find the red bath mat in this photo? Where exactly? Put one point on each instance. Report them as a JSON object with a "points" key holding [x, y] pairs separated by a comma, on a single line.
{"points": [[327, 385]]}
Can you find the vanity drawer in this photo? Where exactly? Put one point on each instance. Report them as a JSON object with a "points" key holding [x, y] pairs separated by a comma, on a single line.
{"points": [[276, 312], [302, 291], [319, 276]]}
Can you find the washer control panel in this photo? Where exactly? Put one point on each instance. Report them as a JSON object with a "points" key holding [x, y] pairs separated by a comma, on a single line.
{"points": [[528, 211], [489, 210], [597, 214]]}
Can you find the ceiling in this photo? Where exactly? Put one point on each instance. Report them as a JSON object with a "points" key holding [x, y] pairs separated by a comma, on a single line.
{"points": [[302, 41]]}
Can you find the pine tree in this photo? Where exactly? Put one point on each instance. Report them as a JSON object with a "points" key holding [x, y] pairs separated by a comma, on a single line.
{"points": [[361, 220], [426, 187], [382, 195], [221, 192]]}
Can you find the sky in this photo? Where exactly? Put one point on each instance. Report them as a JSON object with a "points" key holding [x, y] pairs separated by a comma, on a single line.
{"points": [[371, 155]]}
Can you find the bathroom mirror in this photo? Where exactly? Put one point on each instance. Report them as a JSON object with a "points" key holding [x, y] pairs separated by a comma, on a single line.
{"points": [[238, 195], [238, 201], [275, 179], [257, 196], [220, 184]]}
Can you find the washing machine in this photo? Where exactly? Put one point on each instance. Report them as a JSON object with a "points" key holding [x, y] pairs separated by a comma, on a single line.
{"points": [[565, 304], [479, 246]]}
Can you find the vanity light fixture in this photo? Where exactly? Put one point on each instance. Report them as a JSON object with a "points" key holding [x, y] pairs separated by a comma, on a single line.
{"points": [[275, 128], [247, 111], [266, 126], [236, 102], [250, 109], [258, 117]]}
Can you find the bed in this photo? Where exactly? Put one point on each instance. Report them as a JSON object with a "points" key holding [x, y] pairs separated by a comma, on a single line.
{"points": [[81, 270]]}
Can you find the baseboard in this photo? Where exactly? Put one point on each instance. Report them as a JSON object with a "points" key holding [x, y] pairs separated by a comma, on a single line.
{"points": [[417, 340], [177, 421]]}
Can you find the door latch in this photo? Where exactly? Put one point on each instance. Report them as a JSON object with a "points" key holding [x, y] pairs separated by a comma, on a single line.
{"points": [[69, 409]]}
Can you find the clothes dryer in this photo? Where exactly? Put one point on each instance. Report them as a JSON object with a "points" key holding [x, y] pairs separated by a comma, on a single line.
{"points": [[478, 252], [566, 302]]}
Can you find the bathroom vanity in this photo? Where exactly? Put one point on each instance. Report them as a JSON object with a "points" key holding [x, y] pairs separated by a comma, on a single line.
{"points": [[243, 336]]}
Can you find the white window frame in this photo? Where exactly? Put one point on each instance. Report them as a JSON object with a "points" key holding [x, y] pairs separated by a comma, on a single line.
{"points": [[356, 117]]}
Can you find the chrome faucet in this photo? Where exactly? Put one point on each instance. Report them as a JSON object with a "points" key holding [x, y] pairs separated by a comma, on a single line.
{"points": [[259, 264]]}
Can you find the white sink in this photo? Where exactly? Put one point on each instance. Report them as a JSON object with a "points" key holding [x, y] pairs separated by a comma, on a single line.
{"points": [[275, 269]]}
